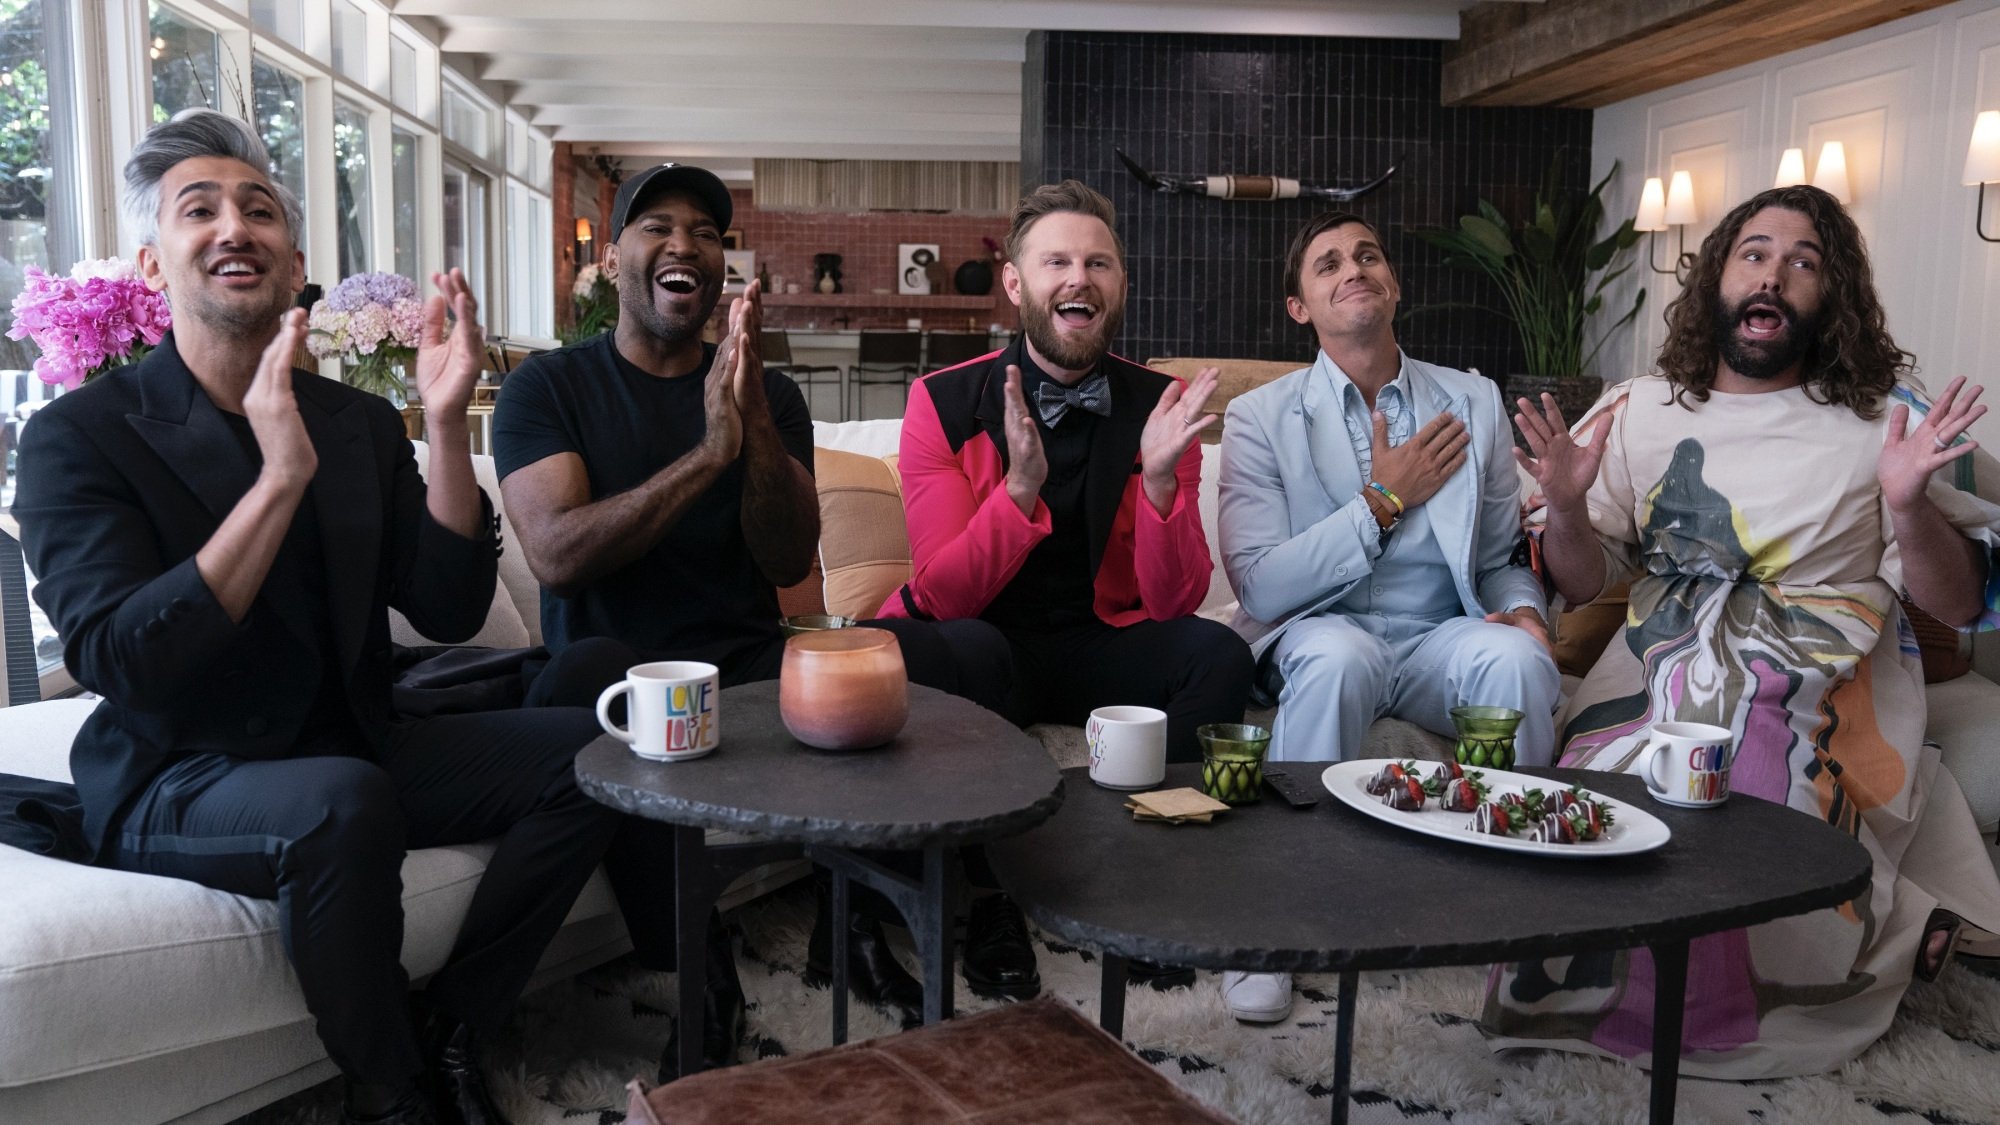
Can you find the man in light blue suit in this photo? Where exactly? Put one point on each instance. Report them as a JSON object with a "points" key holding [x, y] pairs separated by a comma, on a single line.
{"points": [[1369, 509]]}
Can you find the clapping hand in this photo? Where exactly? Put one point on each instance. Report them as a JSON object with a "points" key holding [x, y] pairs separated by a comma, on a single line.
{"points": [[1027, 466], [289, 457], [1174, 424], [449, 361], [1908, 460]]}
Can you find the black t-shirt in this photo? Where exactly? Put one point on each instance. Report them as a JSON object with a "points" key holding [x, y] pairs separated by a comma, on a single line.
{"points": [[1055, 587], [697, 593]]}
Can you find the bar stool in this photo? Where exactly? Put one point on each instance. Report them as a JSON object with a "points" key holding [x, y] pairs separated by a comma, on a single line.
{"points": [[949, 349], [887, 359], [776, 344]]}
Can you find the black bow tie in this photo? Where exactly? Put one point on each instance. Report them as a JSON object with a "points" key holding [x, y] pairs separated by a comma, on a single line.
{"points": [[1053, 400]]}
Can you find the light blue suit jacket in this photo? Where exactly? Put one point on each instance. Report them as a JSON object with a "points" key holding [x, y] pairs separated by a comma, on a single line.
{"points": [[1288, 470]]}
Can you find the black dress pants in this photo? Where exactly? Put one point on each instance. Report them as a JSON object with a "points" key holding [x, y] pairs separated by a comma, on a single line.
{"points": [[325, 833], [1196, 670]]}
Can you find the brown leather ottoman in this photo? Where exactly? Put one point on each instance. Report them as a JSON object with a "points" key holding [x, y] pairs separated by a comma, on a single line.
{"points": [[1038, 1061]]}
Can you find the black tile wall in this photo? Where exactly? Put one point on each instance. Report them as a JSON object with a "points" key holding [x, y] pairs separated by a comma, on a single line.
{"points": [[1206, 275]]}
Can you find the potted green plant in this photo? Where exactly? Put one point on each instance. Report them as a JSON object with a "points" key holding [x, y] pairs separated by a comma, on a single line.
{"points": [[1552, 270]]}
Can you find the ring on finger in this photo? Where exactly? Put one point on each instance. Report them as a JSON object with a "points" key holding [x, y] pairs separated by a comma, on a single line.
{"points": [[1940, 443]]}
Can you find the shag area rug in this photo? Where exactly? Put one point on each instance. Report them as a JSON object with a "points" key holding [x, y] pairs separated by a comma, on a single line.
{"points": [[1417, 1056]]}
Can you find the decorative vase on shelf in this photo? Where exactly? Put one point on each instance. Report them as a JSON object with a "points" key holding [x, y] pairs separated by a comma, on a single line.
{"points": [[843, 689], [974, 278], [826, 273]]}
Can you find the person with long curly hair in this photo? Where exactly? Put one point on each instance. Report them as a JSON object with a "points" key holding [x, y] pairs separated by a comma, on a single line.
{"points": [[1769, 493]]}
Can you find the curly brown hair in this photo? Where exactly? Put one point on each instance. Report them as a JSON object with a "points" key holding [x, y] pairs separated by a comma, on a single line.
{"points": [[1851, 362]]}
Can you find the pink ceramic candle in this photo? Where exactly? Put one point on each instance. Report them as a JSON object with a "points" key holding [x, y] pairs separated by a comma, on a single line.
{"points": [[843, 689]]}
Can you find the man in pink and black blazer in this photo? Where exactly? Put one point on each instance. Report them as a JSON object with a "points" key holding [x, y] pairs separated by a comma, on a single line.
{"points": [[1051, 489]]}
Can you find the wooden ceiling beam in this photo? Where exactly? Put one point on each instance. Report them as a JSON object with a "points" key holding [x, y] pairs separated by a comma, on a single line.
{"points": [[1590, 53]]}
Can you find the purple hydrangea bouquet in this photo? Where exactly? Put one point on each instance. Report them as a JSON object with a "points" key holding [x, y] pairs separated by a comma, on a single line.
{"points": [[370, 323], [99, 317]]}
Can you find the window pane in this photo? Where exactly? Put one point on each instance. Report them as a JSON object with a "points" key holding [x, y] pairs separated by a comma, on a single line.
{"points": [[279, 101], [403, 158], [352, 199], [465, 122], [28, 172], [187, 64], [403, 74], [530, 272], [282, 18], [465, 196], [350, 40]]}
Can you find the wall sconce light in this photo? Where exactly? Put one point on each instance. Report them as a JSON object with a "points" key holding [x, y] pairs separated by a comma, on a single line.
{"points": [[1830, 174], [583, 243], [1982, 165], [1791, 168], [1659, 210]]}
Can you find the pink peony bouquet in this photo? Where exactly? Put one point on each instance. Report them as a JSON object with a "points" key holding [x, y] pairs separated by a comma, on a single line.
{"points": [[370, 323], [99, 317]]}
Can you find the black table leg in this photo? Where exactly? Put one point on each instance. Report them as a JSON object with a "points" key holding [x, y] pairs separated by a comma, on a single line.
{"points": [[933, 932], [701, 873], [841, 937], [1111, 996], [1670, 971], [1343, 1044], [694, 897], [926, 904]]}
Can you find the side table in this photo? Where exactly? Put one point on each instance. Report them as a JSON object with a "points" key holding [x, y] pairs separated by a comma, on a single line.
{"points": [[957, 774]]}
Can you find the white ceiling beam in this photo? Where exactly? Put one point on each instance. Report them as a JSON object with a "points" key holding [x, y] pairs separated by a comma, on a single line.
{"points": [[803, 76], [829, 117], [665, 40], [861, 96], [670, 146], [1424, 19]]}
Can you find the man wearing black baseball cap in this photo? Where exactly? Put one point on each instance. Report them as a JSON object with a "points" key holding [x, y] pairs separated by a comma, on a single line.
{"points": [[662, 490]]}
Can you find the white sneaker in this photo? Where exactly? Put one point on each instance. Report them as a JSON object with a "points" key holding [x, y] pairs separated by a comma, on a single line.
{"points": [[1257, 997]]}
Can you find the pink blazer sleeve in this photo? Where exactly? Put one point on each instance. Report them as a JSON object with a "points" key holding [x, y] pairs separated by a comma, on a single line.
{"points": [[967, 537], [1171, 559]]}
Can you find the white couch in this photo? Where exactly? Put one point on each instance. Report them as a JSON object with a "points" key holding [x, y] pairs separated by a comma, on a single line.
{"points": [[137, 999]]}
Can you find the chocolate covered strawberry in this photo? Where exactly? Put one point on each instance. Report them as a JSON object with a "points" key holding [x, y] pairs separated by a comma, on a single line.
{"points": [[1553, 828], [1385, 779], [1462, 794], [1407, 795]]}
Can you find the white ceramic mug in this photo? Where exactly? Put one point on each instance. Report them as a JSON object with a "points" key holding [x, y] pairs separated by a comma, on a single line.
{"points": [[1128, 747], [1687, 764], [673, 709]]}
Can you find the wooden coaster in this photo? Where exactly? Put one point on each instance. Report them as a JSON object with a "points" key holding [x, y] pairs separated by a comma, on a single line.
{"points": [[1176, 804]]}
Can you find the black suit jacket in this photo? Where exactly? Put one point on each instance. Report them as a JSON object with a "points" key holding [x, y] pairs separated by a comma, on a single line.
{"points": [[124, 479]]}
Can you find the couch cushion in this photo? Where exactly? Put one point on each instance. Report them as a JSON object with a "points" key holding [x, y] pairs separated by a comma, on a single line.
{"points": [[515, 618], [1964, 720], [1236, 376], [864, 546]]}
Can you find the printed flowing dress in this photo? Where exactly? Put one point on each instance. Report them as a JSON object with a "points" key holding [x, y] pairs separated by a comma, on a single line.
{"points": [[1764, 598]]}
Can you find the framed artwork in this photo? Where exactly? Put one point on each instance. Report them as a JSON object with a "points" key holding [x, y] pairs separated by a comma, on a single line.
{"points": [[732, 239], [913, 263], [738, 267]]}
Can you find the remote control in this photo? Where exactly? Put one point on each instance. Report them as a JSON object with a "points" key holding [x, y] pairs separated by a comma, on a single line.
{"points": [[1296, 794]]}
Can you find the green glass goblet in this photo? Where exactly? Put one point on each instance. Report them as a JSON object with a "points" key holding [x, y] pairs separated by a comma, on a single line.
{"points": [[1232, 761], [1485, 736]]}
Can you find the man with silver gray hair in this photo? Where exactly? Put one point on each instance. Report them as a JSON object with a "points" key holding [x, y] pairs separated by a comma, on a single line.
{"points": [[220, 537]]}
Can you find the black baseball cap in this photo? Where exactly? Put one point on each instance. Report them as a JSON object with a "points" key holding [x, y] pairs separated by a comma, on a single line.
{"points": [[641, 189]]}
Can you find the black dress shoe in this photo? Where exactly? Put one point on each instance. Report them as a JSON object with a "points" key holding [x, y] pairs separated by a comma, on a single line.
{"points": [[413, 1108], [1161, 977], [722, 1014], [999, 960], [459, 1091], [873, 973]]}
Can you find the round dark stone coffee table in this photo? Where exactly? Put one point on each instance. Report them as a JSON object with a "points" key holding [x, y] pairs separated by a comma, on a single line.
{"points": [[957, 774], [1269, 888]]}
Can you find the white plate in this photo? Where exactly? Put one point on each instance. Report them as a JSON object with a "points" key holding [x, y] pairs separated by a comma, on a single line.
{"points": [[1632, 830]]}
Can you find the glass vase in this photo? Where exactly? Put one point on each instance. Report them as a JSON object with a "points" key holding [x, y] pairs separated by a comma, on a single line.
{"points": [[1485, 736]]}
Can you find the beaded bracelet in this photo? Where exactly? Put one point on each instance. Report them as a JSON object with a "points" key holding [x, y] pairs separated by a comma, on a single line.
{"points": [[1388, 495]]}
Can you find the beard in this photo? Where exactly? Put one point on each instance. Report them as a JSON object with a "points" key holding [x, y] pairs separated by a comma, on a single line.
{"points": [[635, 299], [1762, 360], [1071, 352]]}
